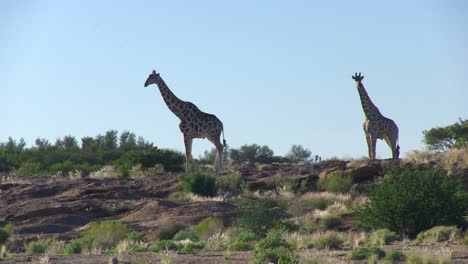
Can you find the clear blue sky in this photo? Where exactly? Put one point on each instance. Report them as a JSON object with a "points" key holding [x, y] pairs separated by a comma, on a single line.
{"points": [[275, 72]]}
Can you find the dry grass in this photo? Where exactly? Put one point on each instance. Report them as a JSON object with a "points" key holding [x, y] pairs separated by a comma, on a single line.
{"points": [[198, 198], [167, 256], [450, 161], [441, 256], [106, 172]]}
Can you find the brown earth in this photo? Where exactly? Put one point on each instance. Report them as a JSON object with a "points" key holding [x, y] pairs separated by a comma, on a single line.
{"points": [[60, 207]]}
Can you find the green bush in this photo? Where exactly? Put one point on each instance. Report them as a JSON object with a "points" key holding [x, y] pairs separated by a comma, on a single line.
{"points": [[382, 237], [200, 184], [365, 252], [160, 245], [136, 236], [192, 247], [229, 185], [189, 234], [168, 232], [257, 215], [328, 240], [241, 240], [39, 246], [338, 182], [209, 227], [6, 232], [287, 225], [394, 256], [106, 234], [308, 229], [274, 248], [409, 201], [3, 236], [29, 168], [76, 246], [438, 234], [330, 222]]}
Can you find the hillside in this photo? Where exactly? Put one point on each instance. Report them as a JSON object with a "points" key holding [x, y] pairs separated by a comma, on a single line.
{"points": [[61, 208]]}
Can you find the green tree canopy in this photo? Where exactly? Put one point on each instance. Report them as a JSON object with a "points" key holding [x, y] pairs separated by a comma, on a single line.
{"points": [[448, 137], [298, 153]]}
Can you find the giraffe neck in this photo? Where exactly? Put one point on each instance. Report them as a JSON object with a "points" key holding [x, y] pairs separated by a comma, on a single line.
{"points": [[370, 110], [173, 103]]}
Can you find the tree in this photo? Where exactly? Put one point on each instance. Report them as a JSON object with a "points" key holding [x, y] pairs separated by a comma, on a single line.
{"points": [[42, 144], [127, 141], [67, 143], [298, 153], [252, 153], [448, 137]]}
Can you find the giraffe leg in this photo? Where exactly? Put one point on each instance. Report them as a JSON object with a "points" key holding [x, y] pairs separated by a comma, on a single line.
{"points": [[219, 152], [374, 144], [392, 143], [369, 145], [188, 152]]}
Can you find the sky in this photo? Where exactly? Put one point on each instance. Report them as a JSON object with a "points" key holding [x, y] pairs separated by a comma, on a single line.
{"points": [[275, 73]]}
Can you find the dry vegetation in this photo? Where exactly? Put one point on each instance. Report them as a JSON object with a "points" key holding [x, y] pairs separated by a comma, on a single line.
{"points": [[314, 222]]}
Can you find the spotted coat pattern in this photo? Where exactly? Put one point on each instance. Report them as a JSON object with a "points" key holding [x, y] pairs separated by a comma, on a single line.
{"points": [[193, 122]]}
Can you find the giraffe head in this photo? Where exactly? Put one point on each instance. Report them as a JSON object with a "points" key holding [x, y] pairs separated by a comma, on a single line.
{"points": [[357, 77], [152, 78]]}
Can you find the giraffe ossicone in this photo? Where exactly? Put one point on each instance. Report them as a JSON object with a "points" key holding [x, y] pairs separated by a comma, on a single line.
{"points": [[193, 122]]}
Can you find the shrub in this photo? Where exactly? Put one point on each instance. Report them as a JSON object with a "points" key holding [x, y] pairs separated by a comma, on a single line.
{"points": [[338, 182], [200, 184], [76, 246], [217, 242], [382, 237], [106, 234], [287, 225], [3, 236], [160, 245], [6, 232], [256, 215], [39, 246], [136, 236], [241, 240], [438, 234], [426, 258], [274, 248], [179, 197], [465, 239], [394, 255], [327, 240], [29, 168], [192, 247], [169, 231], [229, 185], [209, 227], [189, 234], [365, 252], [409, 201], [128, 245], [301, 207], [330, 222]]}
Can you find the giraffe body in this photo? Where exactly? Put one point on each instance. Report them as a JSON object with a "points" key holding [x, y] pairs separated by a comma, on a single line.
{"points": [[193, 122], [376, 126]]}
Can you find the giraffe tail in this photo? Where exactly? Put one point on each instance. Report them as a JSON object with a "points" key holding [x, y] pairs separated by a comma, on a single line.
{"points": [[224, 140]]}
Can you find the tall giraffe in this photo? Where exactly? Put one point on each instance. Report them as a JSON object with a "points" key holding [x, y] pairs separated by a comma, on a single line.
{"points": [[193, 122], [376, 126]]}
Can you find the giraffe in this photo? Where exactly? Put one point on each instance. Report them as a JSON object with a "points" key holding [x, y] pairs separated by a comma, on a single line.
{"points": [[193, 122], [376, 126]]}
